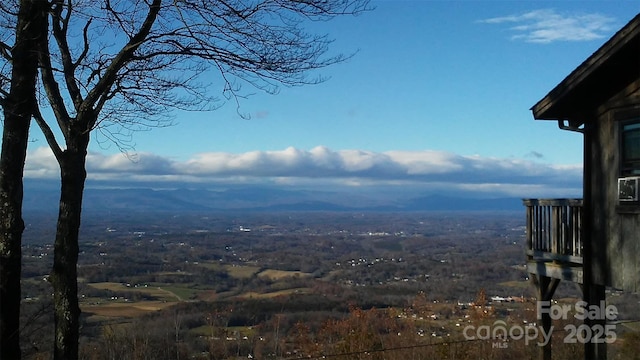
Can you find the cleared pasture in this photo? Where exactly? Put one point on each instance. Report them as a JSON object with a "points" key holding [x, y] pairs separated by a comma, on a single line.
{"points": [[242, 271], [282, 274], [125, 309], [274, 294], [161, 292]]}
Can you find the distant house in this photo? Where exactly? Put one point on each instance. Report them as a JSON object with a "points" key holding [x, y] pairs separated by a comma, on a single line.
{"points": [[594, 241]]}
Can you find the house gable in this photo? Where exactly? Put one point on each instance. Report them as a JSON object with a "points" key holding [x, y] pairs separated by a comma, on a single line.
{"points": [[613, 71]]}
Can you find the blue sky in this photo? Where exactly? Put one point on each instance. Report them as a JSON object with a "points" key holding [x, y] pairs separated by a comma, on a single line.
{"points": [[437, 95]]}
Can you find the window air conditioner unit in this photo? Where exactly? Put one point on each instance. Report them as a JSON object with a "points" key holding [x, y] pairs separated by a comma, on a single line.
{"points": [[628, 188]]}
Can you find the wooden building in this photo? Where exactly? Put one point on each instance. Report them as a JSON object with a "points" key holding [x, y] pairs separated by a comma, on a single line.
{"points": [[594, 241]]}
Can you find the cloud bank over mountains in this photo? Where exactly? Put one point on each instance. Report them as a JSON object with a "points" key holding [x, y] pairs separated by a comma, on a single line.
{"points": [[321, 166]]}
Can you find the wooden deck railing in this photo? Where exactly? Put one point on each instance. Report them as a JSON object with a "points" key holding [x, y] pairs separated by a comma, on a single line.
{"points": [[554, 230]]}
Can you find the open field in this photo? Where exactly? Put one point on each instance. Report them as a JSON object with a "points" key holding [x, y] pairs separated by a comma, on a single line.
{"points": [[182, 292], [241, 272], [125, 309], [281, 274], [247, 271], [159, 291], [269, 295]]}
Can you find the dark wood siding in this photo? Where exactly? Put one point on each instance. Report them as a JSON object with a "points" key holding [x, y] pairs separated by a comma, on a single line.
{"points": [[615, 229]]}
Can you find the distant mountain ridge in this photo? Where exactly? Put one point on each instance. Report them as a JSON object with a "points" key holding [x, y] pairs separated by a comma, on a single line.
{"points": [[260, 198]]}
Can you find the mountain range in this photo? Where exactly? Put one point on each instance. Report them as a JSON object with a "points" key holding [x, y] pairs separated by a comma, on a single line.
{"points": [[43, 196]]}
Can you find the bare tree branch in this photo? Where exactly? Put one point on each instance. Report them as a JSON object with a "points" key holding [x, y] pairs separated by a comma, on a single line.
{"points": [[48, 133], [60, 25], [123, 56], [56, 100], [85, 49], [5, 51]]}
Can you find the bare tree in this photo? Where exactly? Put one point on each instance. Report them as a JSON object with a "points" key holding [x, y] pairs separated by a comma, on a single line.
{"points": [[116, 66], [17, 97]]}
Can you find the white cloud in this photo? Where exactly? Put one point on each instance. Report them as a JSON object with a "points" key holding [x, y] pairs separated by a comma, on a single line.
{"points": [[321, 164], [545, 26], [41, 163]]}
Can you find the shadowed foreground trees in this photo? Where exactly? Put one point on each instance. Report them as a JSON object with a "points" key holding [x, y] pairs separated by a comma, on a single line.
{"points": [[120, 66], [392, 334]]}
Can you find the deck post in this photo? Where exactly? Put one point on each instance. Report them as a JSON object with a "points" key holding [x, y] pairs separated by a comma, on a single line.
{"points": [[546, 287], [593, 294]]}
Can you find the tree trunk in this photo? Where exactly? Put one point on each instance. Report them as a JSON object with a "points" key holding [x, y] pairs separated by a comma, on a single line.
{"points": [[64, 273], [14, 148], [17, 110]]}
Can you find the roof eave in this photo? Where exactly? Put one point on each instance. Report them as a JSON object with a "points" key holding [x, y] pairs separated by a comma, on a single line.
{"points": [[553, 105]]}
